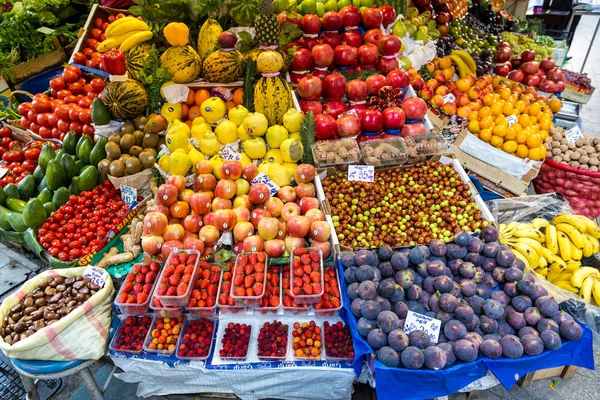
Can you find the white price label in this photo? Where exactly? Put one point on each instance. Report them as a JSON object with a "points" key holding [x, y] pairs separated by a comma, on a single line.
{"points": [[574, 134], [229, 153], [352, 111], [449, 98], [512, 119], [96, 275], [263, 178], [364, 173], [3, 172], [129, 195], [419, 322]]}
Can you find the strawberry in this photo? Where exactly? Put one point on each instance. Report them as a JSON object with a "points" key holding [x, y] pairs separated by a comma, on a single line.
{"points": [[196, 294], [315, 256], [175, 260], [183, 258], [239, 291], [259, 276], [187, 278], [307, 289], [154, 266], [127, 287], [274, 301], [296, 262], [150, 277], [192, 303], [145, 269], [212, 290], [188, 269], [305, 259], [130, 277], [248, 269], [315, 276], [298, 272], [139, 278], [242, 260], [162, 289], [238, 280], [249, 292], [192, 259], [223, 298], [136, 269], [137, 288], [316, 288], [248, 281], [305, 279], [122, 298], [169, 270], [258, 288], [171, 291], [307, 269], [287, 301], [315, 266], [181, 289], [259, 267], [180, 269], [156, 302], [253, 258], [146, 288], [261, 257], [174, 279], [131, 299], [142, 297], [300, 251]]}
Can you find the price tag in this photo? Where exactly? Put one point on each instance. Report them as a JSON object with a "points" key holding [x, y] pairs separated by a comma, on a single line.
{"points": [[263, 178], [449, 98], [352, 111], [419, 322], [364, 173], [129, 195], [512, 119], [3, 172], [97, 275], [574, 134], [229, 153]]}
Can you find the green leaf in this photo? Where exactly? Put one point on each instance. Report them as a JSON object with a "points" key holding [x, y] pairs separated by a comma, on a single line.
{"points": [[248, 89], [307, 133], [135, 10]]}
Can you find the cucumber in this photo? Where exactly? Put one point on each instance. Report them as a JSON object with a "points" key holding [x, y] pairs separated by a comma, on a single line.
{"points": [[15, 205]]}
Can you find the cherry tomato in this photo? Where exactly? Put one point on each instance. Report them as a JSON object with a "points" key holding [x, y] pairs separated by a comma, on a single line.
{"points": [[79, 58], [24, 108], [63, 125], [103, 36], [111, 18], [57, 134], [120, 15], [42, 104], [74, 113], [85, 115], [32, 115], [62, 94], [30, 165], [77, 127], [88, 52], [98, 84], [88, 130], [85, 102], [75, 87], [62, 256], [95, 63], [96, 33], [62, 112], [5, 131], [70, 76], [35, 128], [53, 251], [105, 26], [86, 89], [25, 122], [98, 22], [44, 132], [42, 119], [71, 99], [92, 43], [53, 120], [92, 95]]}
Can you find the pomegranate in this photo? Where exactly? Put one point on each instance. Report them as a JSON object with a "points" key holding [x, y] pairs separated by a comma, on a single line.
{"points": [[371, 121], [325, 126], [350, 16], [310, 88], [368, 54], [357, 90], [334, 107], [348, 125], [414, 108], [413, 129], [322, 55], [334, 86], [311, 105]]}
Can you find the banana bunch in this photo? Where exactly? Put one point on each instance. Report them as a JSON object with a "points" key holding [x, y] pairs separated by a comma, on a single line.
{"points": [[555, 249], [125, 33], [464, 63]]}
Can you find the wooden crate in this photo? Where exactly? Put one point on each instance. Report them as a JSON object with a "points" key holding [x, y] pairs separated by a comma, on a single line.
{"points": [[40, 64], [564, 372]]}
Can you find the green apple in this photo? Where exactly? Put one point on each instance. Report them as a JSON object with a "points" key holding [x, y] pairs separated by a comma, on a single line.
{"points": [[366, 3], [399, 29], [356, 3], [308, 6], [320, 9], [331, 5], [407, 63], [343, 3], [362, 9]]}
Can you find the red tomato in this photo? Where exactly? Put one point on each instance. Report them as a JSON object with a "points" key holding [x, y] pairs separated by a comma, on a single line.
{"points": [[24, 108], [95, 63], [111, 18], [120, 15], [75, 87], [42, 119], [75, 69], [56, 103], [30, 165], [98, 23], [62, 112], [53, 92], [85, 102], [63, 125], [92, 95], [41, 104], [88, 129], [44, 132], [83, 81], [62, 94], [86, 89], [70, 76], [103, 36], [92, 43], [57, 134], [35, 128], [25, 122], [98, 84], [32, 115], [79, 58], [74, 113], [52, 120], [105, 26], [88, 63], [77, 127], [57, 83], [96, 33], [71, 99], [97, 55], [88, 52]]}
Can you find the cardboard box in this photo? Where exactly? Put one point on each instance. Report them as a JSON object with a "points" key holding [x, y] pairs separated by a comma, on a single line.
{"points": [[496, 175], [570, 93], [40, 64]]}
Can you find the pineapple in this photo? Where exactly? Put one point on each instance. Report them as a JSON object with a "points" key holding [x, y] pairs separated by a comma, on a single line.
{"points": [[267, 25]]}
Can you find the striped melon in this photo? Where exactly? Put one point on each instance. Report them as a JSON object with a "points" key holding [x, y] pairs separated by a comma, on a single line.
{"points": [[183, 62], [135, 58], [222, 66], [125, 100], [273, 98]]}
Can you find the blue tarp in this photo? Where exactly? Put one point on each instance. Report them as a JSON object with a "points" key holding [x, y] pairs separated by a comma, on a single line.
{"points": [[422, 384]]}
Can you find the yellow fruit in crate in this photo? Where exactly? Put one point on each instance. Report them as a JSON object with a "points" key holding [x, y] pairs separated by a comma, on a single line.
{"points": [[291, 167], [295, 135], [245, 159], [496, 141], [280, 175], [195, 155], [237, 114], [255, 148], [522, 151], [293, 120], [256, 124], [242, 134], [264, 167], [198, 130], [176, 139], [275, 135], [213, 109], [179, 162], [198, 121], [216, 162], [171, 111], [291, 150], [226, 131], [537, 153], [209, 144], [510, 146], [273, 155], [163, 162]]}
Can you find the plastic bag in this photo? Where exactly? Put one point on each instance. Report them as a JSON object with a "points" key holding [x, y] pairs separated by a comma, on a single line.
{"points": [[525, 209]]}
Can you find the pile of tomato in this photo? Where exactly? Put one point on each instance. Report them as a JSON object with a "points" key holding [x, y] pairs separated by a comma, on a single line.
{"points": [[80, 226], [67, 108], [18, 159]]}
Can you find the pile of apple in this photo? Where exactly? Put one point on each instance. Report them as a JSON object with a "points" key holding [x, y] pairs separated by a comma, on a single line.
{"points": [[372, 106], [323, 48], [240, 213], [545, 75]]}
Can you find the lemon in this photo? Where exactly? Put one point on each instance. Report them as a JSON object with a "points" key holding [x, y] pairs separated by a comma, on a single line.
{"points": [[255, 148], [291, 150], [198, 130], [163, 163], [256, 124], [226, 131], [273, 155], [195, 155], [237, 114], [179, 162], [171, 111], [280, 174], [242, 134], [177, 139], [198, 121], [209, 144], [275, 135], [293, 120], [213, 109]]}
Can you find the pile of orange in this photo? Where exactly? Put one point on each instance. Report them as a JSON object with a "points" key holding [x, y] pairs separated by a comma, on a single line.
{"points": [[190, 110]]}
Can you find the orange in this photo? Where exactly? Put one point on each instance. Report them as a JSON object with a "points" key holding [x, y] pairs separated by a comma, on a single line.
{"points": [[500, 130], [485, 135], [200, 96], [505, 93], [533, 120], [543, 134], [496, 109], [445, 62], [524, 120], [534, 141], [190, 99], [555, 105], [486, 122], [510, 146], [510, 134], [473, 126], [193, 113], [522, 151], [496, 141], [507, 109], [488, 99], [537, 153], [534, 109], [463, 85], [473, 116], [238, 96], [485, 112], [184, 109], [545, 125], [230, 104], [501, 120]]}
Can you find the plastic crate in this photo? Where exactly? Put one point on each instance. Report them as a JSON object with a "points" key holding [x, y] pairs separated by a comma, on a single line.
{"points": [[331, 311], [275, 358], [341, 152], [118, 334], [149, 338], [206, 311], [220, 344], [249, 301], [384, 152], [178, 301], [136, 309], [291, 341], [184, 329], [308, 298]]}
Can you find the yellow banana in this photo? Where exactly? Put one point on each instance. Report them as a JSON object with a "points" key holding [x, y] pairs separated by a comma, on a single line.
{"points": [[573, 265], [576, 254], [588, 247], [552, 275], [135, 39], [572, 233], [555, 267], [596, 292], [533, 243], [566, 286], [207, 38], [467, 59], [594, 242], [564, 245], [548, 255], [463, 69], [540, 223], [564, 277], [571, 220], [542, 271], [551, 239], [590, 226], [115, 41], [115, 23], [582, 273], [543, 263], [560, 261], [585, 292], [528, 231], [133, 24], [528, 252]]}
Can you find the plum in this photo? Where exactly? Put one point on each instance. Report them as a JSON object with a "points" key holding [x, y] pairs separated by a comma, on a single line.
{"points": [[398, 295], [385, 253], [421, 269], [484, 290], [546, 324], [521, 303], [464, 314], [435, 358], [397, 340], [498, 274], [447, 302], [474, 258], [364, 326], [399, 261], [476, 303], [414, 292], [400, 309], [387, 321], [419, 339], [532, 316], [355, 307], [447, 349], [526, 287], [386, 270], [437, 248], [347, 260], [428, 284], [454, 251], [547, 306], [444, 317], [454, 265], [417, 255], [487, 324], [415, 306], [473, 324], [454, 330], [352, 291], [492, 336], [570, 330], [491, 250], [501, 298], [350, 275], [479, 275], [474, 338], [561, 317], [435, 268], [516, 320], [489, 233], [367, 290], [527, 330], [493, 309], [488, 264], [384, 303], [388, 356], [551, 340], [505, 258], [387, 288], [443, 284], [365, 273], [405, 278], [432, 304], [511, 346], [490, 348], [518, 263], [467, 270], [468, 288], [465, 350], [366, 257], [370, 309], [476, 245], [412, 357], [377, 338], [510, 288], [513, 274]]}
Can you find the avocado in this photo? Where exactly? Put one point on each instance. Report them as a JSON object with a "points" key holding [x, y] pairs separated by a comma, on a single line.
{"points": [[58, 154], [73, 187], [100, 114], [98, 153], [34, 214], [88, 178], [113, 151], [43, 185], [69, 166], [45, 195], [26, 187], [46, 155], [61, 196], [85, 150], [2, 195], [4, 212], [11, 191], [70, 142], [55, 175], [49, 207], [38, 174], [80, 142], [16, 222]]}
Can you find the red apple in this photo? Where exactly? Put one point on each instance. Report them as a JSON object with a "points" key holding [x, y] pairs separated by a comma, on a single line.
{"points": [[151, 244], [242, 201], [298, 226], [374, 83], [167, 194], [320, 231], [308, 203], [200, 203], [293, 242], [372, 36], [282, 233], [170, 246], [348, 125], [191, 243], [414, 108], [174, 232], [287, 193], [305, 189], [209, 219], [314, 214], [397, 79], [325, 126], [185, 195], [372, 17], [371, 121], [178, 181], [193, 223], [242, 213], [273, 205], [311, 105], [393, 118], [289, 210], [259, 193], [275, 247], [310, 88], [203, 167], [304, 173], [204, 182], [389, 45], [257, 214], [253, 243], [322, 55], [159, 208], [560, 87], [225, 220], [209, 235], [242, 230], [232, 169], [155, 223], [345, 55], [249, 171], [311, 24], [268, 228], [238, 247], [220, 203], [325, 247]]}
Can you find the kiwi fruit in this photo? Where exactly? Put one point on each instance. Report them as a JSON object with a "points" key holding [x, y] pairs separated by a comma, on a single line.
{"points": [[140, 122], [139, 137], [104, 166], [147, 159], [117, 168], [133, 165], [112, 149], [128, 127], [116, 139], [152, 151], [150, 140], [135, 151], [124, 157], [127, 140]]}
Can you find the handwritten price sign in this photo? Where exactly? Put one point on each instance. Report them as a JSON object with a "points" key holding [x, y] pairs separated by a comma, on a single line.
{"points": [[97, 275], [364, 173], [449, 98], [419, 322], [574, 134], [512, 119], [229, 153], [129, 195], [263, 178]]}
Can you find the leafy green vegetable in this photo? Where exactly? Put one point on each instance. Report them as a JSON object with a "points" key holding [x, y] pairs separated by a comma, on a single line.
{"points": [[20, 33], [307, 133]]}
